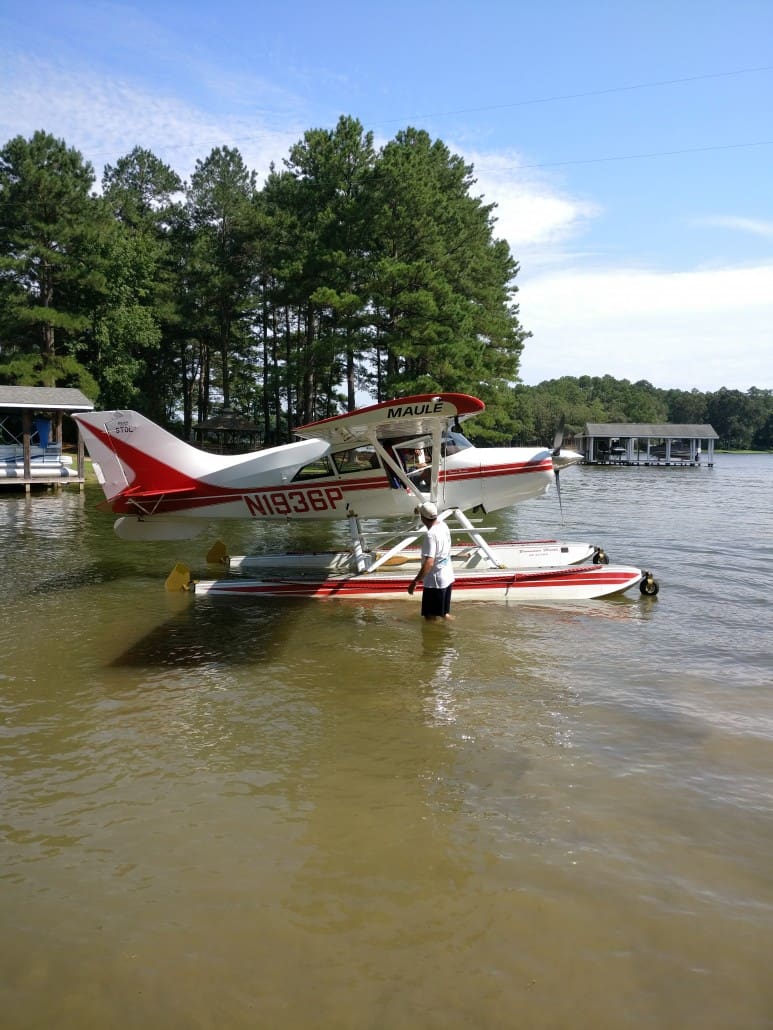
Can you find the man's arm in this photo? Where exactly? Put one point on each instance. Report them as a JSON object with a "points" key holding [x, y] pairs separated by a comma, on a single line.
{"points": [[426, 565]]}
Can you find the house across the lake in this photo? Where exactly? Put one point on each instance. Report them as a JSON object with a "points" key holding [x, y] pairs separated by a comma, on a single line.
{"points": [[647, 443]]}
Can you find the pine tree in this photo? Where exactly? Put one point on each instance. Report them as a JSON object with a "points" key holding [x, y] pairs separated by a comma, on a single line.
{"points": [[49, 222], [442, 285]]}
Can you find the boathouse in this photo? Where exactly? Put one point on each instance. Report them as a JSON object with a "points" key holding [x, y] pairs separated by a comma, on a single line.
{"points": [[31, 436], [647, 443]]}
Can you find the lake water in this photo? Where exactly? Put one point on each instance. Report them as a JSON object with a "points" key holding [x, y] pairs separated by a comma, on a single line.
{"points": [[232, 813]]}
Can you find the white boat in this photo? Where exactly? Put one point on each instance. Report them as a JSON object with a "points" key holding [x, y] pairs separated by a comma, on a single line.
{"points": [[572, 583], [45, 462]]}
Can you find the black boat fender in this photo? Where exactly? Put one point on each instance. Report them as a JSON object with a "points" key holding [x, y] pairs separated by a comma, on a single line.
{"points": [[648, 586]]}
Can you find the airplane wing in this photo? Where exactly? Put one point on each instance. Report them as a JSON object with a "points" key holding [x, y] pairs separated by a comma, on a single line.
{"points": [[407, 416]]}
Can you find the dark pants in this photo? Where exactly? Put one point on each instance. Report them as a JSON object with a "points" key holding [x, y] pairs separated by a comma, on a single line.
{"points": [[436, 601]]}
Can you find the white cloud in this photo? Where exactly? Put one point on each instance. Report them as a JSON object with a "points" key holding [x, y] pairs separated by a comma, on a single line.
{"points": [[703, 329], [754, 226], [105, 118], [530, 213]]}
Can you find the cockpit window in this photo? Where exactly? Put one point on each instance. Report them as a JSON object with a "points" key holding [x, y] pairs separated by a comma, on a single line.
{"points": [[415, 456], [314, 470], [358, 459]]}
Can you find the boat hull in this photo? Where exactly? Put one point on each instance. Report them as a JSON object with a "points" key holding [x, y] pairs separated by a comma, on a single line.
{"points": [[572, 583]]}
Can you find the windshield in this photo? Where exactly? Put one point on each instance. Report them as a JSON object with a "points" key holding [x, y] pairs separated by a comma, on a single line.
{"points": [[454, 441]]}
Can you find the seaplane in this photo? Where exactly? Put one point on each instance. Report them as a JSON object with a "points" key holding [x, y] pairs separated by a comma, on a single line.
{"points": [[378, 462]]}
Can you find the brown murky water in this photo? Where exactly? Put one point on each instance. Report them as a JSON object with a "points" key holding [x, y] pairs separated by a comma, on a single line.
{"points": [[230, 813]]}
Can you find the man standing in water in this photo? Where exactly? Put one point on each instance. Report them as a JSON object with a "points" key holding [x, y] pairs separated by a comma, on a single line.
{"points": [[436, 570]]}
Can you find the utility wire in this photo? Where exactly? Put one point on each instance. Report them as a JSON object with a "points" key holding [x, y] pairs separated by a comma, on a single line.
{"points": [[588, 93], [525, 103], [636, 157]]}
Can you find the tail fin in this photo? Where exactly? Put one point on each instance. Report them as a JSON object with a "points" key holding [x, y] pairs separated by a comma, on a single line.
{"points": [[133, 455]]}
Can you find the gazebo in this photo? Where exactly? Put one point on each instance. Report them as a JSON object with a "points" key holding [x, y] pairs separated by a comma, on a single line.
{"points": [[228, 433], [31, 436], [647, 443]]}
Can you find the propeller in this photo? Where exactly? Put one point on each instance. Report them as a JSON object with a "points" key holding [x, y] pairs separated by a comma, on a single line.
{"points": [[562, 458], [558, 439]]}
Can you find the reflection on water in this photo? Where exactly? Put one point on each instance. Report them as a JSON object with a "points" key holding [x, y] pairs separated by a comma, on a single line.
{"points": [[219, 812]]}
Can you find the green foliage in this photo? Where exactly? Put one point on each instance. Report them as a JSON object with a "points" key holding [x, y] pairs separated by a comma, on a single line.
{"points": [[352, 270], [442, 286], [218, 265], [41, 370], [140, 189], [46, 233], [763, 435], [741, 420]]}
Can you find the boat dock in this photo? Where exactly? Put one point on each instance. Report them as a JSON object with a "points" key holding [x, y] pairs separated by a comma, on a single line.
{"points": [[31, 437], [665, 444]]}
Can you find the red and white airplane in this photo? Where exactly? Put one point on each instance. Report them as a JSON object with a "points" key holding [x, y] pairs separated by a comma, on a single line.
{"points": [[380, 461], [376, 462]]}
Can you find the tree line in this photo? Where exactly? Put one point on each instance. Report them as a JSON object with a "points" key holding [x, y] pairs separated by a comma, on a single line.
{"points": [[351, 271], [742, 420]]}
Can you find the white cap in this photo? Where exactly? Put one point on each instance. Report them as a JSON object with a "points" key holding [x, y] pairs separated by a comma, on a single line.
{"points": [[428, 510]]}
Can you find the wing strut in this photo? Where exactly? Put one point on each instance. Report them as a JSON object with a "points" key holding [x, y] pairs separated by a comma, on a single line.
{"points": [[362, 556], [474, 535], [359, 547]]}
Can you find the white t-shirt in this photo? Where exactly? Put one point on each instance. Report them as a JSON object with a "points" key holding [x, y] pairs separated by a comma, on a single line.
{"points": [[437, 545]]}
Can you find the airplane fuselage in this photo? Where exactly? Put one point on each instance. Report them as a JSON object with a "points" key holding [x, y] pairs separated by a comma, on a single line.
{"points": [[379, 462], [494, 478]]}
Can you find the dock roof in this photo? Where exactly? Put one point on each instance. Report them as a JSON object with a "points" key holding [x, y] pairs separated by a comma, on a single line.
{"points": [[665, 430], [44, 398]]}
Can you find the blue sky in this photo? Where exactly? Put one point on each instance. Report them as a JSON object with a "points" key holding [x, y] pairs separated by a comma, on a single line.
{"points": [[629, 147]]}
